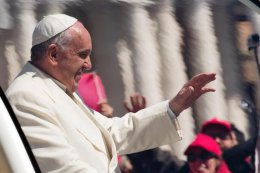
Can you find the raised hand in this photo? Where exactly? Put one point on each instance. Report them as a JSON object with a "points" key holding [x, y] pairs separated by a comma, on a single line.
{"points": [[138, 102], [191, 91]]}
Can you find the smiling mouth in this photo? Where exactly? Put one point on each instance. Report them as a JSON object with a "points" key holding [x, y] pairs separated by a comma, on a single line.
{"points": [[78, 75], [85, 70], [80, 72]]}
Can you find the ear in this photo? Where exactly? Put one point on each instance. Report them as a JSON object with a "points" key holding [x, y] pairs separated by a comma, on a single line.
{"points": [[52, 51]]}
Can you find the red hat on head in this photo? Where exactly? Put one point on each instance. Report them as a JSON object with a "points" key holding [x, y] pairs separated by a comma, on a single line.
{"points": [[205, 142], [216, 122]]}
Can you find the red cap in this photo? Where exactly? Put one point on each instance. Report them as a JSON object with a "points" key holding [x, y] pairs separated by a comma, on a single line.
{"points": [[205, 142], [216, 122]]}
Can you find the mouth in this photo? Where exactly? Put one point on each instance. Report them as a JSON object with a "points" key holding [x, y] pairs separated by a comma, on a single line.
{"points": [[78, 75], [202, 168]]}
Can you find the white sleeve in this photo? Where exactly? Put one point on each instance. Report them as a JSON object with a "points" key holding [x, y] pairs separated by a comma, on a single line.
{"points": [[46, 136], [145, 129]]}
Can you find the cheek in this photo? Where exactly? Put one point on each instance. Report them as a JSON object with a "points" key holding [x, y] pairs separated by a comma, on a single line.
{"points": [[193, 166], [226, 144], [74, 67], [212, 165]]}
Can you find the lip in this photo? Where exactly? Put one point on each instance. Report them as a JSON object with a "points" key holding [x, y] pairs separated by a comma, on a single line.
{"points": [[78, 76]]}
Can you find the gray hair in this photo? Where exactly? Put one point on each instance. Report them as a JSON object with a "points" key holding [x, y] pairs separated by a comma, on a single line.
{"points": [[38, 51]]}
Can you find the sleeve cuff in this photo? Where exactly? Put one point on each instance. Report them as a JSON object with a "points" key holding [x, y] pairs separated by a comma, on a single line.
{"points": [[171, 114], [174, 120]]}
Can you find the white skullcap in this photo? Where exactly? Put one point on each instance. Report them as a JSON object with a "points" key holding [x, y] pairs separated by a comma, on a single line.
{"points": [[50, 26]]}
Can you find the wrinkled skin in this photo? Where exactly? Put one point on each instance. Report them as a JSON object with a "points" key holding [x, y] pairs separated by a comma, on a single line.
{"points": [[67, 63]]}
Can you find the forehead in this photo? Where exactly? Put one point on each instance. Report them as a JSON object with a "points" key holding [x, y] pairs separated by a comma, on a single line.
{"points": [[80, 37], [197, 151], [216, 129]]}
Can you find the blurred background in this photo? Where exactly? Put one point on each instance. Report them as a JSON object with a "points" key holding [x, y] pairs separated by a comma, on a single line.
{"points": [[153, 47]]}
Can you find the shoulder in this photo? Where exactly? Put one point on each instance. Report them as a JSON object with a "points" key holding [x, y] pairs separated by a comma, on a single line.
{"points": [[20, 85], [23, 81], [25, 90]]}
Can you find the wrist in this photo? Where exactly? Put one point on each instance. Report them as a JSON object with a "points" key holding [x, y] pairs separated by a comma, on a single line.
{"points": [[103, 101], [171, 113], [175, 107]]}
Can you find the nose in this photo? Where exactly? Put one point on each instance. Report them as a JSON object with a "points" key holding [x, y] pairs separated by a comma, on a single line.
{"points": [[87, 63]]}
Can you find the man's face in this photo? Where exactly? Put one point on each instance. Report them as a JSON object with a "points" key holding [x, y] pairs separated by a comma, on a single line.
{"points": [[74, 58], [225, 138]]}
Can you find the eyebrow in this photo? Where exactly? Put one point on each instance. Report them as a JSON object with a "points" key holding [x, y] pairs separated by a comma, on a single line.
{"points": [[88, 51]]}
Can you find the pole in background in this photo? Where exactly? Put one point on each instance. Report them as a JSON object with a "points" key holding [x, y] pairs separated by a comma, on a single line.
{"points": [[253, 43]]}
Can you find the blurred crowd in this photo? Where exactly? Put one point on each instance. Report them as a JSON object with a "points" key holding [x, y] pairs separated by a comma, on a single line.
{"points": [[219, 146]]}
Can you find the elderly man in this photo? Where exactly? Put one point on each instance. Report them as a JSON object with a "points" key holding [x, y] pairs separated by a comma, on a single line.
{"points": [[64, 134]]}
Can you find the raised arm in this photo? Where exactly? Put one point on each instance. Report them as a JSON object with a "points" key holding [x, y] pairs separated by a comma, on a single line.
{"points": [[191, 91]]}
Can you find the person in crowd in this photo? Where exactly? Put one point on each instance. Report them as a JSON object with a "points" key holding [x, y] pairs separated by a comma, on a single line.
{"points": [[137, 103], [204, 156], [221, 131], [92, 92], [147, 161], [237, 153], [64, 134]]}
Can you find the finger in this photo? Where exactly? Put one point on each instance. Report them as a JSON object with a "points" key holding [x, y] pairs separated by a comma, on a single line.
{"points": [[204, 90], [140, 101], [111, 110], [202, 79], [144, 102], [133, 100], [206, 78], [127, 107], [136, 101]]}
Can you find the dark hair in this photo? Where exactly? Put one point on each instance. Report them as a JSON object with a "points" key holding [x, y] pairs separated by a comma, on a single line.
{"points": [[203, 156], [39, 50], [239, 134]]}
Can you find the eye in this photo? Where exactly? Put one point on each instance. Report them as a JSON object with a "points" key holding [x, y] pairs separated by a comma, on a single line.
{"points": [[84, 54]]}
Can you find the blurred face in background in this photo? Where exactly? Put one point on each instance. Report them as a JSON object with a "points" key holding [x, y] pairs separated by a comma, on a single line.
{"points": [[225, 138], [202, 161]]}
